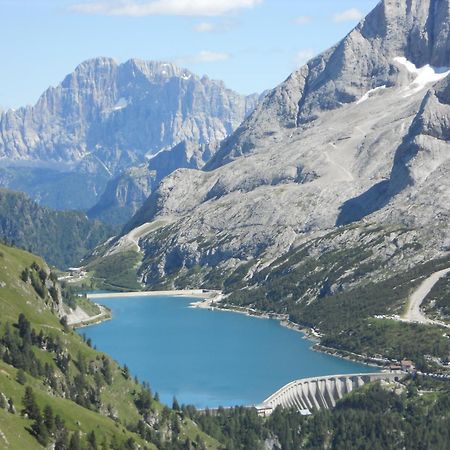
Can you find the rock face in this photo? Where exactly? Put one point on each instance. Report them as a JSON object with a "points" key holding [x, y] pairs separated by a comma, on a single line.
{"points": [[358, 135], [106, 117], [364, 60], [125, 194]]}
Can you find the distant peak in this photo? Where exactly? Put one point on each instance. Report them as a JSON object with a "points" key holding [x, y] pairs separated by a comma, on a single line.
{"points": [[100, 61], [157, 68]]}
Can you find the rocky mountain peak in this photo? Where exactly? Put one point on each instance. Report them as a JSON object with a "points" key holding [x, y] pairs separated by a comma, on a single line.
{"points": [[366, 59], [106, 117], [155, 70], [416, 29]]}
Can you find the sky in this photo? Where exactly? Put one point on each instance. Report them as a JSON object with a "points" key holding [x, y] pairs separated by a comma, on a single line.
{"points": [[251, 45]]}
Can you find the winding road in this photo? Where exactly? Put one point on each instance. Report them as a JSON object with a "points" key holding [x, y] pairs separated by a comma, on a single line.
{"points": [[414, 313]]}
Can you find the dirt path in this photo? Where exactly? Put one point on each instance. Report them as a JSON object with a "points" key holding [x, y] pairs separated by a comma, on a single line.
{"points": [[347, 174], [414, 313]]}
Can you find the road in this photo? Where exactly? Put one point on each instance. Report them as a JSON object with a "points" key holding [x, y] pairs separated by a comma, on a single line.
{"points": [[414, 313]]}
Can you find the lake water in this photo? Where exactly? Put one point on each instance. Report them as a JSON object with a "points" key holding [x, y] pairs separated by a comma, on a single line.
{"points": [[207, 358]]}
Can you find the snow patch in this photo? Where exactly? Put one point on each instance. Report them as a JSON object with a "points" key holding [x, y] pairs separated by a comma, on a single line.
{"points": [[424, 75], [369, 94]]}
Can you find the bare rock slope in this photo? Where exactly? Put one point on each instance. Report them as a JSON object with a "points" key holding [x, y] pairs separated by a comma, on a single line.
{"points": [[359, 135]]}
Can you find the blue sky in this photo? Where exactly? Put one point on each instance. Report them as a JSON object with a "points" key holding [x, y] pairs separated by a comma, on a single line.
{"points": [[250, 44]]}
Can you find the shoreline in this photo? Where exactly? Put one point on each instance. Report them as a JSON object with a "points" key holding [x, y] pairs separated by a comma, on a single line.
{"points": [[211, 300], [308, 333], [106, 314], [200, 293]]}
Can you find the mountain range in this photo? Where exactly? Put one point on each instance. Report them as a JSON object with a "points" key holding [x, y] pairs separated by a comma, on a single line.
{"points": [[106, 118]]}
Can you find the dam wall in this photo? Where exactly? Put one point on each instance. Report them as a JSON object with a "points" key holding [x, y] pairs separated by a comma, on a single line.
{"points": [[316, 393]]}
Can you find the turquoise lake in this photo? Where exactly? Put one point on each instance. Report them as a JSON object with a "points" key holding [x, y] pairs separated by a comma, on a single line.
{"points": [[207, 358]]}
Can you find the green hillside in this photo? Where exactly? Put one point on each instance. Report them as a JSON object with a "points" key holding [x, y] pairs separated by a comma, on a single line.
{"points": [[352, 318], [61, 237], [93, 397]]}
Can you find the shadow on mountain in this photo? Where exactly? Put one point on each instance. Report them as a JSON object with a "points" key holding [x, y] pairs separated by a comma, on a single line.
{"points": [[368, 202]]}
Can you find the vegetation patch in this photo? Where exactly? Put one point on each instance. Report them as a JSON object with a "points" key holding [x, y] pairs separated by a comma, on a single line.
{"points": [[61, 237], [117, 271]]}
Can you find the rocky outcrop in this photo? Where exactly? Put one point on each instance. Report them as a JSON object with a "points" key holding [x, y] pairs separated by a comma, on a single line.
{"points": [[124, 195]]}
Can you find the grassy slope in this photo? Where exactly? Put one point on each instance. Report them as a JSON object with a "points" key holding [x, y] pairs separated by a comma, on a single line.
{"points": [[117, 271], [18, 297]]}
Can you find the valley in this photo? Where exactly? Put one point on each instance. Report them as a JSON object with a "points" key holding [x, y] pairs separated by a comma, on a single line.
{"points": [[173, 252]]}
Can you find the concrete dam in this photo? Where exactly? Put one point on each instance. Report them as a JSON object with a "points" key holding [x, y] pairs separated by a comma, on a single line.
{"points": [[310, 394]]}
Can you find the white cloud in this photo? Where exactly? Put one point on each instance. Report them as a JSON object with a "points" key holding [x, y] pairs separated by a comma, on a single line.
{"points": [[205, 27], [135, 8], [303, 56], [205, 56], [210, 27], [303, 20], [208, 56], [349, 15]]}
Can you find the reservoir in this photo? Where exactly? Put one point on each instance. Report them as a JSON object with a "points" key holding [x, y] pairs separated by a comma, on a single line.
{"points": [[207, 358]]}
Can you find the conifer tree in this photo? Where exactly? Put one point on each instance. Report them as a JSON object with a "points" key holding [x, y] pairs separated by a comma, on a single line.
{"points": [[40, 430], [175, 404], [92, 440], [75, 442], [31, 408], [49, 419]]}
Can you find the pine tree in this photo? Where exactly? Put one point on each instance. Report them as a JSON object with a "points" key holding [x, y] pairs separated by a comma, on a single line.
{"points": [[40, 430], [62, 440], [106, 370], [92, 440], [30, 406], [175, 404], [23, 325], [75, 443], [49, 419]]}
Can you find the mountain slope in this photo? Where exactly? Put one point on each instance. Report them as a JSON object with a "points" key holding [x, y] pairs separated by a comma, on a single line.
{"points": [[61, 237], [125, 194], [356, 139], [89, 392], [358, 120], [106, 117]]}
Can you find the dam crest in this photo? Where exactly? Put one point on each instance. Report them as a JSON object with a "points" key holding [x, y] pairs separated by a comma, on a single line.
{"points": [[309, 394]]}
